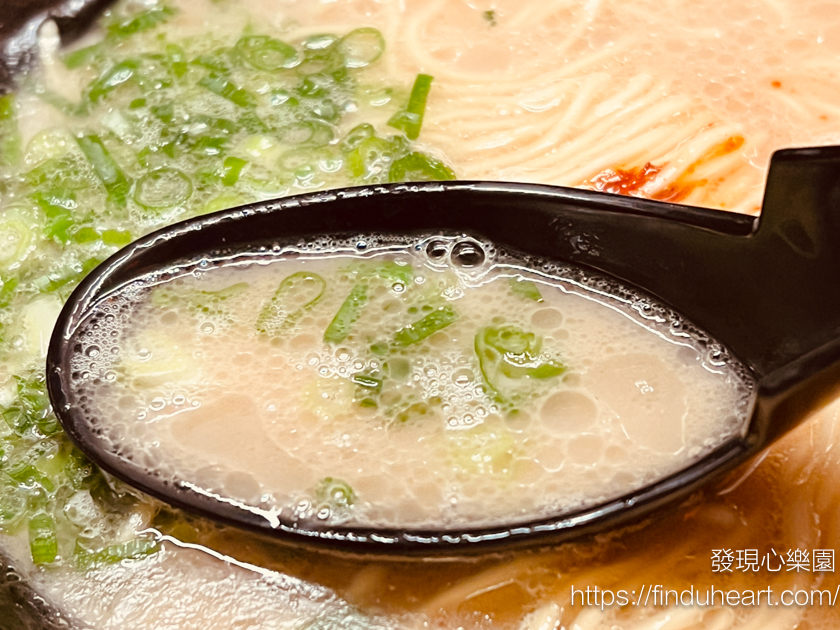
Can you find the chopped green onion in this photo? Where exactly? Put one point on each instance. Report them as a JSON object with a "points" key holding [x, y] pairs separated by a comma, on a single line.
{"points": [[295, 295], [302, 161], [110, 174], [142, 22], [116, 237], [509, 358], [12, 503], [210, 303], [16, 419], [410, 119], [316, 86], [224, 88], [210, 146], [7, 289], [322, 41], [267, 53], [114, 554], [68, 275], [15, 237], [356, 136], [370, 161], [347, 314], [177, 59], [82, 56], [321, 56], [430, 324], [325, 109], [525, 289], [361, 47], [10, 141], [419, 167], [223, 202], [334, 493], [252, 123], [43, 539], [164, 113], [307, 132], [58, 228], [79, 470], [85, 235], [379, 349], [111, 79], [547, 370], [163, 188], [232, 168], [27, 473], [389, 270], [218, 61], [352, 306], [58, 204]]}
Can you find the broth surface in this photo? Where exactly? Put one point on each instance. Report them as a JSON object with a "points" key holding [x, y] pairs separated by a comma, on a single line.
{"points": [[404, 387]]}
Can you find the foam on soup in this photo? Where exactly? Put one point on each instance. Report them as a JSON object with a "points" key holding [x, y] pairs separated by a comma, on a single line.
{"points": [[429, 383]]}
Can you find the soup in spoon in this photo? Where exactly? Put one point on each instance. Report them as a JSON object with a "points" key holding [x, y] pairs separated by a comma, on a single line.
{"points": [[430, 383]]}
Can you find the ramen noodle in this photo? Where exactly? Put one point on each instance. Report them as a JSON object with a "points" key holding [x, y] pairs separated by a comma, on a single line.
{"points": [[168, 111]]}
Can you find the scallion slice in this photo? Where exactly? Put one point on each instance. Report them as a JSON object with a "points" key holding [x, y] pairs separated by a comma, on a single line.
{"points": [[510, 359], [347, 314], [111, 79], [163, 188], [419, 167], [141, 22], [114, 554], [12, 503], [232, 168], [15, 238], [361, 47], [177, 59], [430, 324], [335, 493], [356, 136], [43, 539], [266, 53], [224, 88], [109, 172], [82, 56], [10, 142], [295, 295], [410, 120], [525, 289]]}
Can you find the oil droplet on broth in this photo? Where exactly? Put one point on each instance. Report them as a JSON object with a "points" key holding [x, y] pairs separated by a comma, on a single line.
{"points": [[433, 383]]}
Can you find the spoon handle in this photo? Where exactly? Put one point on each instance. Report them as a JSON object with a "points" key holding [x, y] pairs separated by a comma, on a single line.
{"points": [[769, 290]]}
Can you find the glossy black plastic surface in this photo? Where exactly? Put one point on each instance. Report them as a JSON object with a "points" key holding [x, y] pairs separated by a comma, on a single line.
{"points": [[21, 19], [769, 290]]}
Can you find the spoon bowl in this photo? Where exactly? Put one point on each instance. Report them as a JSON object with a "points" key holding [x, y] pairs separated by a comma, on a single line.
{"points": [[768, 289]]}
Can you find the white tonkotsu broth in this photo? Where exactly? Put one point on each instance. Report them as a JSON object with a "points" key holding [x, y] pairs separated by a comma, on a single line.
{"points": [[671, 99], [510, 406]]}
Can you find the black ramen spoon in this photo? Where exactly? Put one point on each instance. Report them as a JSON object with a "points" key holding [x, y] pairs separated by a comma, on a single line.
{"points": [[768, 289]]}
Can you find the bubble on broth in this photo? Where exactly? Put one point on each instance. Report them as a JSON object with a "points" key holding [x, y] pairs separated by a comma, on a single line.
{"points": [[464, 386]]}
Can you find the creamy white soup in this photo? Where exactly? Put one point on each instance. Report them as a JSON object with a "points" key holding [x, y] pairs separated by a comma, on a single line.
{"points": [[430, 385]]}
